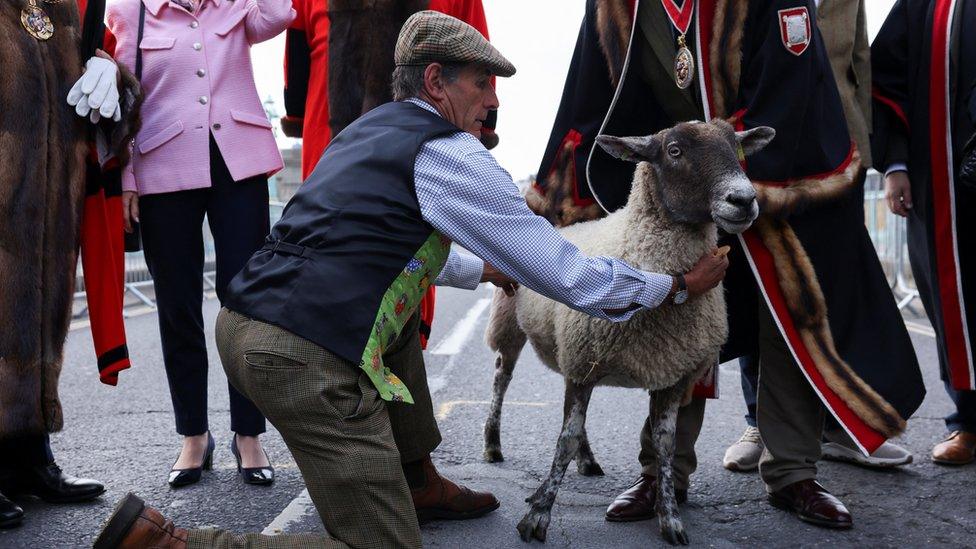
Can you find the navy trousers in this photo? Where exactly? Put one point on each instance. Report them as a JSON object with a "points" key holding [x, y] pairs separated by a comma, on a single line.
{"points": [[25, 451], [172, 233]]}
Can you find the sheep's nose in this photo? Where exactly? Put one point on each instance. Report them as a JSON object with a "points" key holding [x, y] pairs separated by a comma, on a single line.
{"points": [[741, 197]]}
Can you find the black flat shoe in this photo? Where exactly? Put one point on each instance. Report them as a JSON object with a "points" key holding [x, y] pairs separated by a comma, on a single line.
{"points": [[10, 513], [252, 475], [50, 484], [185, 477]]}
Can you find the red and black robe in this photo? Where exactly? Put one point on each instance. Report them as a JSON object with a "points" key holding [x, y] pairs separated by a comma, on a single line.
{"points": [[808, 257], [338, 65], [924, 70]]}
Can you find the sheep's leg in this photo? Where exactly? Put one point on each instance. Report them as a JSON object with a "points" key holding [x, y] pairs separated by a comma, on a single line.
{"points": [[586, 464], [664, 415], [535, 523], [505, 337]]}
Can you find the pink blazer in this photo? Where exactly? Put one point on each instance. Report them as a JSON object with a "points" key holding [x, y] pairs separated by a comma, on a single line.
{"points": [[197, 80]]}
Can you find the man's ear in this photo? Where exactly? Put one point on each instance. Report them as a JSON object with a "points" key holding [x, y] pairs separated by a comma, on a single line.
{"points": [[755, 139], [434, 80], [632, 149]]}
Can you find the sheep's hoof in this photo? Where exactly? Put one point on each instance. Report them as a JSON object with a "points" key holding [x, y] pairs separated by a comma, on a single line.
{"points": [[589, 468], [493, 454], [534, 524], [673, 531]]}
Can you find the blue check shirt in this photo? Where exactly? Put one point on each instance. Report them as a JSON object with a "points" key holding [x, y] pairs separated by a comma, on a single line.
{"points": [[467, 196]]}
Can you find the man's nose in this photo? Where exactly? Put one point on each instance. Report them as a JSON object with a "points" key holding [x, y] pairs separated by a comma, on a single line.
{"points": [[492, 99]]}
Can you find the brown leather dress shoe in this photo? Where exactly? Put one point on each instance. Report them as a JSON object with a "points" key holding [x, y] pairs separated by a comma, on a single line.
{"points": [[959, 448], [135, 525], [812, 503], [442, 499], [637, 502]]}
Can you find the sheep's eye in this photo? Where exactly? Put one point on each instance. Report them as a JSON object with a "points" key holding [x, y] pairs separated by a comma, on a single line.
{"points": [[674, 151]]}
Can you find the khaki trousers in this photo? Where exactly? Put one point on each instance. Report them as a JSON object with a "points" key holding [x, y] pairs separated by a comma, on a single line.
{"points": [[337, 428], [790, 418]]}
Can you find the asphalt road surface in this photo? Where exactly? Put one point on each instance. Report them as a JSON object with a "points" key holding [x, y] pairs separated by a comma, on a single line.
{"points": [[124, 436]]}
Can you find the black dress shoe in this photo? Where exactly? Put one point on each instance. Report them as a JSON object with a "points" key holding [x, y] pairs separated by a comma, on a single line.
{"points": [[812, 503], [637, 502], [50, 484], [10, 513], [252, 475], [185, 477]]}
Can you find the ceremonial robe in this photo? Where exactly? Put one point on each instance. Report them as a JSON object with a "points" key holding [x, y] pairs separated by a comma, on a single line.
{"points": [[809, 257], [924, 68]]}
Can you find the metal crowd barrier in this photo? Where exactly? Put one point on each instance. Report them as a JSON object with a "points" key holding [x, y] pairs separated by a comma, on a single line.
{"points": [[137, 277], [889, 236], [886, 229]]}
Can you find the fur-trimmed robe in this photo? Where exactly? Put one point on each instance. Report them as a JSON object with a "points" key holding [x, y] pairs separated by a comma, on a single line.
{"points": [[43, 148], [809, 254]]}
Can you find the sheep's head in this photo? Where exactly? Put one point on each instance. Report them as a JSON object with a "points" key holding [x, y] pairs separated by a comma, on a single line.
{"points": [[697, 174]]}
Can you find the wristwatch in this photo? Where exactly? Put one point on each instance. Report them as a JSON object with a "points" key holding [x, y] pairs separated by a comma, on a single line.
{"points": [[681, 295]]}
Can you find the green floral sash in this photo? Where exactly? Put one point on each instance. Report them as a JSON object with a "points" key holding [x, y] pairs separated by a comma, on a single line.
{"points": [[398, 305]]}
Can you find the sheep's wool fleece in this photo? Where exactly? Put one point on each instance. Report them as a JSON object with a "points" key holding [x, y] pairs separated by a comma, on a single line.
{"points": [[656, 348]]}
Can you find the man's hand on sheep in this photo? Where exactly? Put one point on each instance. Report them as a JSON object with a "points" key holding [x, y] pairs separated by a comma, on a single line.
{"points": [[500, 279], [708, 272]]}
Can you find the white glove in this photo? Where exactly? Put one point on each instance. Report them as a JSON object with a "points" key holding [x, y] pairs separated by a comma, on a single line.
{"points": [[96, 93]]}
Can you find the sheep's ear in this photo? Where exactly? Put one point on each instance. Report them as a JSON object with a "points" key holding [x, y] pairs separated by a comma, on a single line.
{"points": [[755, 139], [632, 149]]}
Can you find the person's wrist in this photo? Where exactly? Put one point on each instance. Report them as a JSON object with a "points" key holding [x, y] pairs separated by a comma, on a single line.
{"points": [[673, 289]]}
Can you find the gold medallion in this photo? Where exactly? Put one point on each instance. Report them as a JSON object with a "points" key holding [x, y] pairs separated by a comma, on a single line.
{"points": [[36, 22], [684, 66], [684, 62]]}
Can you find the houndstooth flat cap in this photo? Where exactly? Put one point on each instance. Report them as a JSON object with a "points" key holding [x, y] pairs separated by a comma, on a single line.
{"points": [[432, 37]]}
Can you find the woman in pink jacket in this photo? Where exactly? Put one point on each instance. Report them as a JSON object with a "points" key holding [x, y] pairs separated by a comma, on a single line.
{"points": [[205, 148]]}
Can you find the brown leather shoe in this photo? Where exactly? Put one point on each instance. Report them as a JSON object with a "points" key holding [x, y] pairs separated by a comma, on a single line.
{"points": [[812, 503], [637, 502], [135, 525], [959, 448], [442, 499]]}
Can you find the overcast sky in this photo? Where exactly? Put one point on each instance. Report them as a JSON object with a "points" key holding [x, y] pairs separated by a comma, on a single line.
{"points": [[538, 36]]}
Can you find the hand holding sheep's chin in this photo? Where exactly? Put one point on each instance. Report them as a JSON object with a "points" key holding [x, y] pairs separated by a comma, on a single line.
{"points": [[500, 279], [707, 273]]}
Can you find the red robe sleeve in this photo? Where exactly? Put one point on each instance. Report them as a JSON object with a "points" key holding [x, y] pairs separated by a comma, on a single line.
{"points": [[103, 256]]}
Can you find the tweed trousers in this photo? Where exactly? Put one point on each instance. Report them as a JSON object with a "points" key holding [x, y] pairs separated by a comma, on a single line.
{"points": [[790, 419], [337, 428], [414, 426]]}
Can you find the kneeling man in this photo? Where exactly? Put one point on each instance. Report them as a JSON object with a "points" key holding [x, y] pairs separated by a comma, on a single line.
{"points": [[367, 234]]}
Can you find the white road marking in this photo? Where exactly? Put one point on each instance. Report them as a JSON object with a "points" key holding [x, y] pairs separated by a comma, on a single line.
{"points": [[299, 508], [461, 332]]}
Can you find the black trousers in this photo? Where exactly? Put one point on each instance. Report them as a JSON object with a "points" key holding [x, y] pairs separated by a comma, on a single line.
{"points": [[24, 451], [172, 233]]}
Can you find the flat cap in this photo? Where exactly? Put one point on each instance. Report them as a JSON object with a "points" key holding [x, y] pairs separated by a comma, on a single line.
{"points": [[433, 37]]}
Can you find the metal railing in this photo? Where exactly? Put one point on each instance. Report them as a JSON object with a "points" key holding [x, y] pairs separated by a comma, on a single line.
{"points": [[890, 238], [887, 232], [137, 277]]}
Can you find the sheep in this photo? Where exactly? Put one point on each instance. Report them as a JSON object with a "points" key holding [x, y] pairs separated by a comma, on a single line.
{"points": [[688, 180]]}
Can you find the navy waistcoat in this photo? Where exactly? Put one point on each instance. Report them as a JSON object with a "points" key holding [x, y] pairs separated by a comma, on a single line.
{"points": [[346, 235]]}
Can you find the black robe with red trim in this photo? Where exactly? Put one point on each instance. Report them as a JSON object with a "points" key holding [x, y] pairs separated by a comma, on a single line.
{"points": [[809, 255], [924, 70]]}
